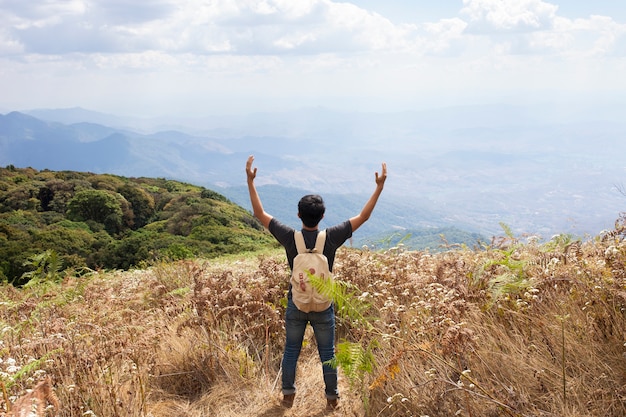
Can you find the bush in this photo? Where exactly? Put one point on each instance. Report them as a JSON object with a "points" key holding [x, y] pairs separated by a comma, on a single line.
{"points": [[99, 206]]}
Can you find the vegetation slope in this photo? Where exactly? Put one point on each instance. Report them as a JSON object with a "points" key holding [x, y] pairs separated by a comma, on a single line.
{"points": [[82, 221], [517, 328]]}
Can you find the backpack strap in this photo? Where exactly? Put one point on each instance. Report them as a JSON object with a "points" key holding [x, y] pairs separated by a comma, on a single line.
{"points": [[300, 245], [319, 242]]}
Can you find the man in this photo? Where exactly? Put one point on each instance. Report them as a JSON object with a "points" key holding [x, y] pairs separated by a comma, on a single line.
{"points": [[310, 211]]}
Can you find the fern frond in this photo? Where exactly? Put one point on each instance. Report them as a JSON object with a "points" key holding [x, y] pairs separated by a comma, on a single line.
{"points": [[345, 296], [29, 368], [354, 360], [47, 268], [507, 230], [509, 284]]}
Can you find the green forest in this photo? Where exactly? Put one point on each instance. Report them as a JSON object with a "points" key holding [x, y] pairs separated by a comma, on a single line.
{"points": [[67, 220]]}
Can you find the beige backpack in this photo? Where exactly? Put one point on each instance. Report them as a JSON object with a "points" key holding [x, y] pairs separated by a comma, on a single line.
{"points": [[309, 262]]}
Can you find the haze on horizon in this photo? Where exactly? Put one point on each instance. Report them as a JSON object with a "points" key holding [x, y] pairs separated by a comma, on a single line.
{"points": [[209, 57]]}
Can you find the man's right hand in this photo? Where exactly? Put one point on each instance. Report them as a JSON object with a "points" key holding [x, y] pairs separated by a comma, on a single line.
{"points": [[380, 179], [250, 172]]}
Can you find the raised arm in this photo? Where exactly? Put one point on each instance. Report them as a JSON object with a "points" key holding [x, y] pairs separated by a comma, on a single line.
{"points": [[257, 207], [367, 209]]}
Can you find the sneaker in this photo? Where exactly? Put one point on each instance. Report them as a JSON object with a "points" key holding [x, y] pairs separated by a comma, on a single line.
{"points": [[288, 400], [332, 404]]}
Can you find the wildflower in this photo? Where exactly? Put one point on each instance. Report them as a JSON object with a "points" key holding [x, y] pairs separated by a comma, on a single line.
{"points": [[12, 369], [394, 397]]}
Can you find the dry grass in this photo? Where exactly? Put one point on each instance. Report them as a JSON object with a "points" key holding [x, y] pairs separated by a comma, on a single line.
{"points": [[516, 329]]}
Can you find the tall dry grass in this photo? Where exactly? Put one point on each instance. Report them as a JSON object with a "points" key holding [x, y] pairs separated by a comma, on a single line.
{"points": [[518, 328]]}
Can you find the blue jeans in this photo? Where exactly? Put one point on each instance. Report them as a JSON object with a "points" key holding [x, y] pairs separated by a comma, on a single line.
{"points": [[323, 324]]}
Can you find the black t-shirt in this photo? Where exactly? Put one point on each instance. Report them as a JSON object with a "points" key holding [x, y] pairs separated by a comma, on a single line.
{"points": [[335, 237]]}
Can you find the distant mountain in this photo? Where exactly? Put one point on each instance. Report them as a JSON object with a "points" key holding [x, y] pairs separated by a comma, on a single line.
{"points": [[471, 167], [29, 142], [79, 115], [318, 123]]}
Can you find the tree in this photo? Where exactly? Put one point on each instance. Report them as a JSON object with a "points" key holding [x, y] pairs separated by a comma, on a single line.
{"points": [[98, 206], [55, 194], [141, 202]]}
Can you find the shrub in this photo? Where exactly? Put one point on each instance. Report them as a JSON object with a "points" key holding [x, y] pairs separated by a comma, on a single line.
{"points": [[99, 206]]}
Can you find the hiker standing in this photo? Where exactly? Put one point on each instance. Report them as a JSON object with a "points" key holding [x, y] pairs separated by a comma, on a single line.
{"points": [[310, 211]]}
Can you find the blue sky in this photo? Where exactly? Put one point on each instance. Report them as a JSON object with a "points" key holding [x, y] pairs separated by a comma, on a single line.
{"points": [[200, 57]]}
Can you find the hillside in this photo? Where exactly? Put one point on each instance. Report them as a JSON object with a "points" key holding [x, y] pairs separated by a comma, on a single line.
{"points": [[82, 221], [517, 329]]}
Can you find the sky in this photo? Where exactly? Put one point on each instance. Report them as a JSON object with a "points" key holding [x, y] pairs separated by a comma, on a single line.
{"points": [[202, 57]]}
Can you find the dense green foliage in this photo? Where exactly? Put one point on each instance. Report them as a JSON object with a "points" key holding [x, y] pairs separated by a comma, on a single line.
{"points": [[107, 221]]}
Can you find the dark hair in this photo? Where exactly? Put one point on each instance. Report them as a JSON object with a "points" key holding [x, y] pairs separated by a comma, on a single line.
{"points": [[311, 209]]}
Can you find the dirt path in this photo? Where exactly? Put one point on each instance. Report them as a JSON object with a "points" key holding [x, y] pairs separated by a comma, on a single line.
{"points": [[310, 400]]}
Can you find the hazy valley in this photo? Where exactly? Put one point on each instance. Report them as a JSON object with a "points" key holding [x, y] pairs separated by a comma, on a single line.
{"points": [[469, 167]]}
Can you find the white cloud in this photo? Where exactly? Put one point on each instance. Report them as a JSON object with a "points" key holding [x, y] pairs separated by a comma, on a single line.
{"points": [[41, 13], [241, 27], [596, 36], [287, 48], [509, 15], [445, 37], [305, 27], [8, 44], [534, 28]]}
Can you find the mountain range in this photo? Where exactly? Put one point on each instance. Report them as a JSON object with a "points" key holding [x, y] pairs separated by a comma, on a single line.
{"points": [[472, 168]]}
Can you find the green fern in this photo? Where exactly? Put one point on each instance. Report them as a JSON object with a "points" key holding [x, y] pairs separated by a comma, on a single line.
{"points": [[354, 360], [511, 279], [46, 268], [561, 241], [509, 284], [507, 230], [345, 297]]}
